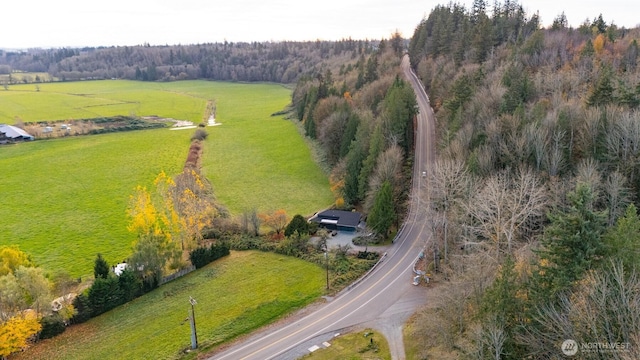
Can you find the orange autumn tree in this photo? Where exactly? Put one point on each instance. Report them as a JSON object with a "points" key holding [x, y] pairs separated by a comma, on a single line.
{"points": [[336, 181], [276, 220]]}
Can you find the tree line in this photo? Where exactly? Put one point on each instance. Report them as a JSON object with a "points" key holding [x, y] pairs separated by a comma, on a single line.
{"points": [[534, 194], [281, 62], [360, 114]]}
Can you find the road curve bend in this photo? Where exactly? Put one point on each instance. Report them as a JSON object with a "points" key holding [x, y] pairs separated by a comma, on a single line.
{"points": [[383, 287]]}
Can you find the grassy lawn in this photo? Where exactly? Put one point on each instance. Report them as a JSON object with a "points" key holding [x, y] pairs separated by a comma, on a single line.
{"points": [[234, 295], [354, 346], [64, 200]]}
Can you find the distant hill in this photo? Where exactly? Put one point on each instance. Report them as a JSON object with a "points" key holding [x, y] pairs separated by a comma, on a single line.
{"points": [[281, 62]]}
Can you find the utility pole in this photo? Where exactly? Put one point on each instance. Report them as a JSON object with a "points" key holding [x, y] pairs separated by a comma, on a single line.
{"points": [[194, 336], [326, 261]]}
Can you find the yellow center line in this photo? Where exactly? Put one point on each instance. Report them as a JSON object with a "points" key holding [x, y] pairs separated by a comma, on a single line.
{"points": [[414, 209], [337, 310]]}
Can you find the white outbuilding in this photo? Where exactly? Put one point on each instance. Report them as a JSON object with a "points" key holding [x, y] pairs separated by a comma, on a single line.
{"points": [[12, 133]]}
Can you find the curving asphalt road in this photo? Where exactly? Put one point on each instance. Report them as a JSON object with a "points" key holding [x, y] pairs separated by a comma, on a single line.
{"points": [[386, 287]]}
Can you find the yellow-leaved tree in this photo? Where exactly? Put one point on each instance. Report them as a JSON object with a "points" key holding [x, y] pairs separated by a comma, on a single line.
{"points": [[193, 197], [142, 213], [189, 205], [169, 220], [16, 332], [154, 250], [25, 293], [11, 257], [598, 44]]}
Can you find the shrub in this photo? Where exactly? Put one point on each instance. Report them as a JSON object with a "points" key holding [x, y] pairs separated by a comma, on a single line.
{"points": [[198, 257], [299, 224], [130, 285], [83, 307], [100, 267], [202, 256], [297, 246], [368, 255], [149, 283], [200, 134], [105, 294], [241, 243], [52, 325]]}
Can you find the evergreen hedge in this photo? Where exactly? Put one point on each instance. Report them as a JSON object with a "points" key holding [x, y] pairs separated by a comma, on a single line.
{"points": [[202, 256]]}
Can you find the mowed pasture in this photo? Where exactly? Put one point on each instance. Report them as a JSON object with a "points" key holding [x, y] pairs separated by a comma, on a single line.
{"points": [[64, 200], [90, 99], [234, 295]]}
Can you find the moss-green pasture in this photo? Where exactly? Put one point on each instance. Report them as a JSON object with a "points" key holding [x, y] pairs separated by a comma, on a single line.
{"points": [[89, 99], [64, 200], [234, 295]]}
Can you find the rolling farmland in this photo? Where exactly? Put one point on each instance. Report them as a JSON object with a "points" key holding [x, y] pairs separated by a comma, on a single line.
{"points": [[64, 200]]}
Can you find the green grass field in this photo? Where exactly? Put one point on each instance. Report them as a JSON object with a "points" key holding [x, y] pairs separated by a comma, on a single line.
{"points": [[234, 295], [64, 200], [89, 99]]}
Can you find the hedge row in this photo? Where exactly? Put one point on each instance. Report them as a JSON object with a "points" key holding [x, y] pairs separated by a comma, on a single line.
{"points": [[108, 293], [202, 256]]}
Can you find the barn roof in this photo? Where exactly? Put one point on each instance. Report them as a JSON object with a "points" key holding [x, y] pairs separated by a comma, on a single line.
{"points": [[13, 132]]}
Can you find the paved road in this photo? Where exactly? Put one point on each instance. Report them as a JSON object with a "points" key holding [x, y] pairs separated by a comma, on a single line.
{"points": [[375, 296]]}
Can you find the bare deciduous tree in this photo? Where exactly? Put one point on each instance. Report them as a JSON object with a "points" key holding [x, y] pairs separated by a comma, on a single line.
{"points": [[589, 131], [605, 308], [493, 337], [250, 222], [587, 173], [617, 195], [538, 142], [486, 159], [504, 204], [555, 159], [449, 185]]}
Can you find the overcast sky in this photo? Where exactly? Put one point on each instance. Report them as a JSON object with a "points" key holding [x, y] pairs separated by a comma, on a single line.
{"points": [[77, 23]]}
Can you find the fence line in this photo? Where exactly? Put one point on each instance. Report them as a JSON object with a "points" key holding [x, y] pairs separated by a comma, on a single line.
{"points": [[176, 275]]}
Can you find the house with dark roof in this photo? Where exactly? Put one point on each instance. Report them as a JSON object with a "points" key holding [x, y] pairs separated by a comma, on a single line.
{"points": [[12, 133], [338, 220]]}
